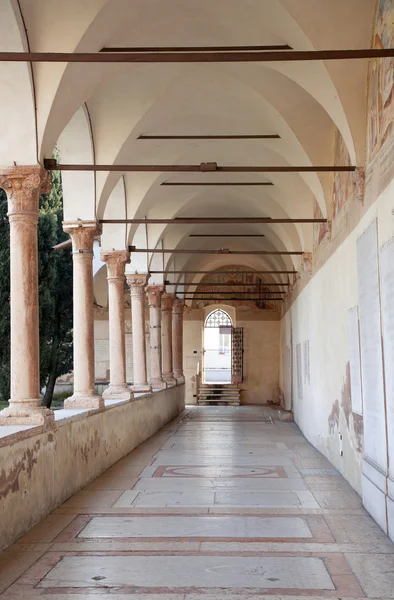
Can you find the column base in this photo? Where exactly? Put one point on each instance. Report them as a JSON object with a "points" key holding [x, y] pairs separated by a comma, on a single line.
{"points": [[118, 392], [142, 388], [158, 384], [84, 401], [180, 379], [170, 380], [18, 414]]}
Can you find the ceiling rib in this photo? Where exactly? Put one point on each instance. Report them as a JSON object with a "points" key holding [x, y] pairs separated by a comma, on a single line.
{"points": [[197, 57]]}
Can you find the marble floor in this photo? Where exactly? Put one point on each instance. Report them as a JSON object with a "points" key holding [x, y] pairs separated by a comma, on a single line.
{"points": [[225, 503]]}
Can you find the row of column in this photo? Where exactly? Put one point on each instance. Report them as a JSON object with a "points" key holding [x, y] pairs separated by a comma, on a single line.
{"points": [[23, 186]]}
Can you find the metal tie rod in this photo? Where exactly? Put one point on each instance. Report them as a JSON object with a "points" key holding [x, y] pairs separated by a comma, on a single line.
{"points": [[196, 57], [222, 251], [207, 221]]}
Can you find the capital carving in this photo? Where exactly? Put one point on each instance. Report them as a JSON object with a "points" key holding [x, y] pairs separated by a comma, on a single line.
{"points": [[178, 306], [116, 261], [154, 295], [137, 283], [83, 234], [23, 186], [167, 301]]}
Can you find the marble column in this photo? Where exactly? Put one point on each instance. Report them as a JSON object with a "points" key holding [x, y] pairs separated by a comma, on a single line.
{"points": [[23, 186], [177, 339], [83, 234], [154, 298], [137, 284], [116, 261], [166, 329]]}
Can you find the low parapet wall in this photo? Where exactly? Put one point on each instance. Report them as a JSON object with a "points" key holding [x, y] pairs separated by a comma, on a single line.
{"points": [[40, 469]]}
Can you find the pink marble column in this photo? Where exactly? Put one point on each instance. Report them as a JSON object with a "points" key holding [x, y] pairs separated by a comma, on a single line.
{"points": [[23, 186], [166, 329], [177, 339], [116, 261], [137, 284], [83, 234], [154, 298]]}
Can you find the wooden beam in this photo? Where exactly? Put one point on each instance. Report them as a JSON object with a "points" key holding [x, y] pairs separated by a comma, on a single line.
{"points": [[51, 165], [196, 57], [270, 136], [234, 299], [216, 183], [208, 221], [215, 272], [220, 251], [238, 284], [227, 235], [234, 293], [198, 48]]}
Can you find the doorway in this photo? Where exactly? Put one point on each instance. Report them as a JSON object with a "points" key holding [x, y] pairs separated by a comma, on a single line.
{"points": [[218, 329]]}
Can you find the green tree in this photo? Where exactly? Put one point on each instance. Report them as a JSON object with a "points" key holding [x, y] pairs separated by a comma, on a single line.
{"points": [[55, 293]]}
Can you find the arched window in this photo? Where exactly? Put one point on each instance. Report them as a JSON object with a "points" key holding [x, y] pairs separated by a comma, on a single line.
{"points": [[218, 318]]}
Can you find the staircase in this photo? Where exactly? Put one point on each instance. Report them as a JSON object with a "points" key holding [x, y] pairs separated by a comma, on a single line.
{"points": [[218, 394]]}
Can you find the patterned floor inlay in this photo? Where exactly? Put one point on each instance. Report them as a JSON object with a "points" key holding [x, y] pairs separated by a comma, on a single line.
{"points": [[228, 503]]}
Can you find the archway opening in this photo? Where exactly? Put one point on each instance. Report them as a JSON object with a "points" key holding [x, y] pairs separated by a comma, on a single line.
{"points": [[217, 347]]}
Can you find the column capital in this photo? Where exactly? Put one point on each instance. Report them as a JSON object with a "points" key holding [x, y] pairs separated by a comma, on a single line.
{"points": [[137, 282], [167, 301], [23, 186], [116, 261], [83, 234], [154, 295], [178, 306]]}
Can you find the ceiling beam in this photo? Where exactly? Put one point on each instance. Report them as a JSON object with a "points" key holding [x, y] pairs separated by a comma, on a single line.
{"points": [[235, 293], [227, 235], [198, 48], [234, 299], [220, 251], [196, 57], [216, 183], [270, 136], [237, 284], [222, 272], [208, 221], [211, 167]]}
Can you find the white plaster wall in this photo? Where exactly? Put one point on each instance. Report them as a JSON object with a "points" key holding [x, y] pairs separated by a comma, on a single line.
{"points": [[320, 315]]}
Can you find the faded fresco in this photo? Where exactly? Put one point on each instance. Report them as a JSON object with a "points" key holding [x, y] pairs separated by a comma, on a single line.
{"points": [[344, 182], [381, 82], [319, 229]]}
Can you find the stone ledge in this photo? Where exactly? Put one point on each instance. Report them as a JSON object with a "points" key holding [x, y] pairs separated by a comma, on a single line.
{"points": [[40, 469]]}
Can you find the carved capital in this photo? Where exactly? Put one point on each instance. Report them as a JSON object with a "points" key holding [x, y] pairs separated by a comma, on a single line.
{"points": [[137, 283], [116, 261], [167, 301], [83, 234], [154, 295], [23, 186], [178, 306]]}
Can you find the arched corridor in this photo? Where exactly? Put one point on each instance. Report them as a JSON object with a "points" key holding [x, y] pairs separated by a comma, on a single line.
{"points": [[197, 210], [222, 503]]}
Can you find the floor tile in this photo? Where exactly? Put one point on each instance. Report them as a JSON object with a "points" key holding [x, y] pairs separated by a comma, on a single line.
{"points": [[196, 527], [184, 571]]}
